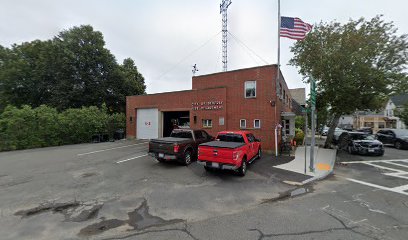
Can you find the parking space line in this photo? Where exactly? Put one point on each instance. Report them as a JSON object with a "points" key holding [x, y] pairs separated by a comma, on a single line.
{"points": [[386, 168], [103, 150], [396, 164], [374, 161], [396, 189], [121, 161]]}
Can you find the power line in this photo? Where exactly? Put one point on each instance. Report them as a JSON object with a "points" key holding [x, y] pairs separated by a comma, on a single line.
{"points": [[188, 55], [249, 49]]}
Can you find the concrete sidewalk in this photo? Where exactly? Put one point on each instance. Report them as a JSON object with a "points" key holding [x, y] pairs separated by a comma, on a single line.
{"points": [[323, 165]]}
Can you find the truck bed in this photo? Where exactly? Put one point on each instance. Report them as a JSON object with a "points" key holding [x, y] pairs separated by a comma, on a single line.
{"points": [[221, 144]]}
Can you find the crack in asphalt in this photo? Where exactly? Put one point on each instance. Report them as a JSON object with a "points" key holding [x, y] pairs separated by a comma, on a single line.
{"points": [[184, 230], [262, 235], [139, 219]]}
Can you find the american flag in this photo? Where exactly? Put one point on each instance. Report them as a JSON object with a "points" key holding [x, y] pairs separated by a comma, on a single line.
{"points": [[294, 28]]}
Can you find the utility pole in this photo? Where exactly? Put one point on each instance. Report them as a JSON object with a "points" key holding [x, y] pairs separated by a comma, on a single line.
{"points": [[223, 10], [313, 123]]}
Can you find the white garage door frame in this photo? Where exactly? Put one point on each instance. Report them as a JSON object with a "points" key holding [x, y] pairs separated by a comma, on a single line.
{"points": [[147, 123]]}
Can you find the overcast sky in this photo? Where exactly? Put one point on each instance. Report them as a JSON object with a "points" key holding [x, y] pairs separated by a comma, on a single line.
{"points": [[165, 38]]}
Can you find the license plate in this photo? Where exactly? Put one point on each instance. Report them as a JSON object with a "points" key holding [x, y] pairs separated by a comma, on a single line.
{"points": [[215, 165], [161, 155], [370, 150]]}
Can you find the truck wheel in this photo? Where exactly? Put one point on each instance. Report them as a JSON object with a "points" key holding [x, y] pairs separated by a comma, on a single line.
{"points": [[259, 153], [160, 160], [187, 157], [243, 168], [207, 169]]}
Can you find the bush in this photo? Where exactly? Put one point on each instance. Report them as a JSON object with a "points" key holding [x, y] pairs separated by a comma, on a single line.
{"points": [[299, 136], [25, 127]]}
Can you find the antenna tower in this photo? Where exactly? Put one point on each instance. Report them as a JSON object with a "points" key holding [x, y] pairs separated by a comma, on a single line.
{"points": [[223, 10]]}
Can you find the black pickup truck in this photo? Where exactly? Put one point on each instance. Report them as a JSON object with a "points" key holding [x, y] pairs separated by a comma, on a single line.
{"points": [[181, 145]]}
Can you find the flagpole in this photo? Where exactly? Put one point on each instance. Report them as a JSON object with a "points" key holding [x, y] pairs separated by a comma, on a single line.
{"points": [[279, 25], [277, 82]]}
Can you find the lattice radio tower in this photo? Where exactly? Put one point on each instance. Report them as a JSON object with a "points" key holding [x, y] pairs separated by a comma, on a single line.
{"points": [[223, 10]]}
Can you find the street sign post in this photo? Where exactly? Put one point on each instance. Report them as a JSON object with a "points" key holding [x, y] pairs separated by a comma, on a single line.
{"points": [[313, 122]]}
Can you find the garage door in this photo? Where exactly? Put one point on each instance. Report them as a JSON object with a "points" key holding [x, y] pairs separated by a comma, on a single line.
{"points": [[147, 123]]}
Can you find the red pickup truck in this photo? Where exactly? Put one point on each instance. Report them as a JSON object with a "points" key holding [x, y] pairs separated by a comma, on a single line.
{"points": [[232, 150]]}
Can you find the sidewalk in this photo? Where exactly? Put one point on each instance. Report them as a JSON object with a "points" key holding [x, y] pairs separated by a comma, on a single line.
{"points": [[323, 165]]}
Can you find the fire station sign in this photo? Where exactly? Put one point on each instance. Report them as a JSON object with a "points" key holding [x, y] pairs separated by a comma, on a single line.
{"points": [[207, 105]]}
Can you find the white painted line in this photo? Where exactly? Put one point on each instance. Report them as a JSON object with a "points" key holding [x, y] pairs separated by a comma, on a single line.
{"points": [[396, 164], [121, 161], [401, 188], [378, 186], [386, 168], [373, 161], [103, 150]]}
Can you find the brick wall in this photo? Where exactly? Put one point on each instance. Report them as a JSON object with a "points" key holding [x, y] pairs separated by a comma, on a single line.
{"points": [[228, 88]]}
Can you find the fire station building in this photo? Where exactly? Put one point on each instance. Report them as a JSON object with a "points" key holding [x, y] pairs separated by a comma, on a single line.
{"points": [[245, 99]]}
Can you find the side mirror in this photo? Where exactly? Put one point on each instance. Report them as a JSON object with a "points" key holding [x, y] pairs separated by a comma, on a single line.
{"points": [[257, 140]]}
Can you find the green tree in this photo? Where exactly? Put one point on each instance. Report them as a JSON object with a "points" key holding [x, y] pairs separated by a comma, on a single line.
{"points": [[355, 64], [403, 114], [72, 70], [300, 122]]}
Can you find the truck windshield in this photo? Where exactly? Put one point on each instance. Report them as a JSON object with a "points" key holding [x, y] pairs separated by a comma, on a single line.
{"points": [[181, 134], [231, 138]]}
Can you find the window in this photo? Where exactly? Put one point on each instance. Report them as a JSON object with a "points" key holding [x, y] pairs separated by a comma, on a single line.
{"points": [[221, 121], [257, 123], [250, 137], [381, 125], [280, 89], [205, 134], [198, 134], [207, 123], [242, 123], [250, 89], [369, 124]]}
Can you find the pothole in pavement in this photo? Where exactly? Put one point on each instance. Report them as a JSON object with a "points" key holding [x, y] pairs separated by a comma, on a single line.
{"points": [[291, 194], [73, 211], [89, 174], [139, 219]]}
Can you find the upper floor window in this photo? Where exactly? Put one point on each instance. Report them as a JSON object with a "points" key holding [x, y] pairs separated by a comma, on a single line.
{"points": [[242, 123], [250, 89], [257, 123]]}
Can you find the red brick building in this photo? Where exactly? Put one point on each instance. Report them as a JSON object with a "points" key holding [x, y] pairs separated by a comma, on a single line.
{"points": [[233, 100]]}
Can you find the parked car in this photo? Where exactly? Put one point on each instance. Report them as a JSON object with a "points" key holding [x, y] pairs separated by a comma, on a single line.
{"points": [[368, 130], [336, 135], [396, 137], [361, 143], [232, 150], [180, 146], [325, 130]]}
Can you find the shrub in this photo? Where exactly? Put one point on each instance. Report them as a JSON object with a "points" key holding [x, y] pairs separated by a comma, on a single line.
{"points": [[299, 136], [25, 127]]}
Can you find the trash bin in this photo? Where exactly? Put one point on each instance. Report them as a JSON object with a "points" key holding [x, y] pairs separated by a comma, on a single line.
{"points": [[119, 134]]}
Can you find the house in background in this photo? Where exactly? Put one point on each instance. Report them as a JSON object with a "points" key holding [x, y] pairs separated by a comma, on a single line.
{"points": [[395, 103], [346, 122], [374, 120]]}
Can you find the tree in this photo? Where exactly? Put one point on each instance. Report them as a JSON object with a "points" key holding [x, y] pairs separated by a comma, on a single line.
{"points": [[355, 65], [72, 70], [403, 114]]}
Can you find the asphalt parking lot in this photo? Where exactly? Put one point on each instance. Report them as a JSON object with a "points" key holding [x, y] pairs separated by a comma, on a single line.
{"points": [[108, 190], [388, 172]]}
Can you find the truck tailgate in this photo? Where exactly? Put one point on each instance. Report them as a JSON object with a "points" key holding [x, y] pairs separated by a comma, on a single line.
{"points": [[215, 154], [161, 146]]}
